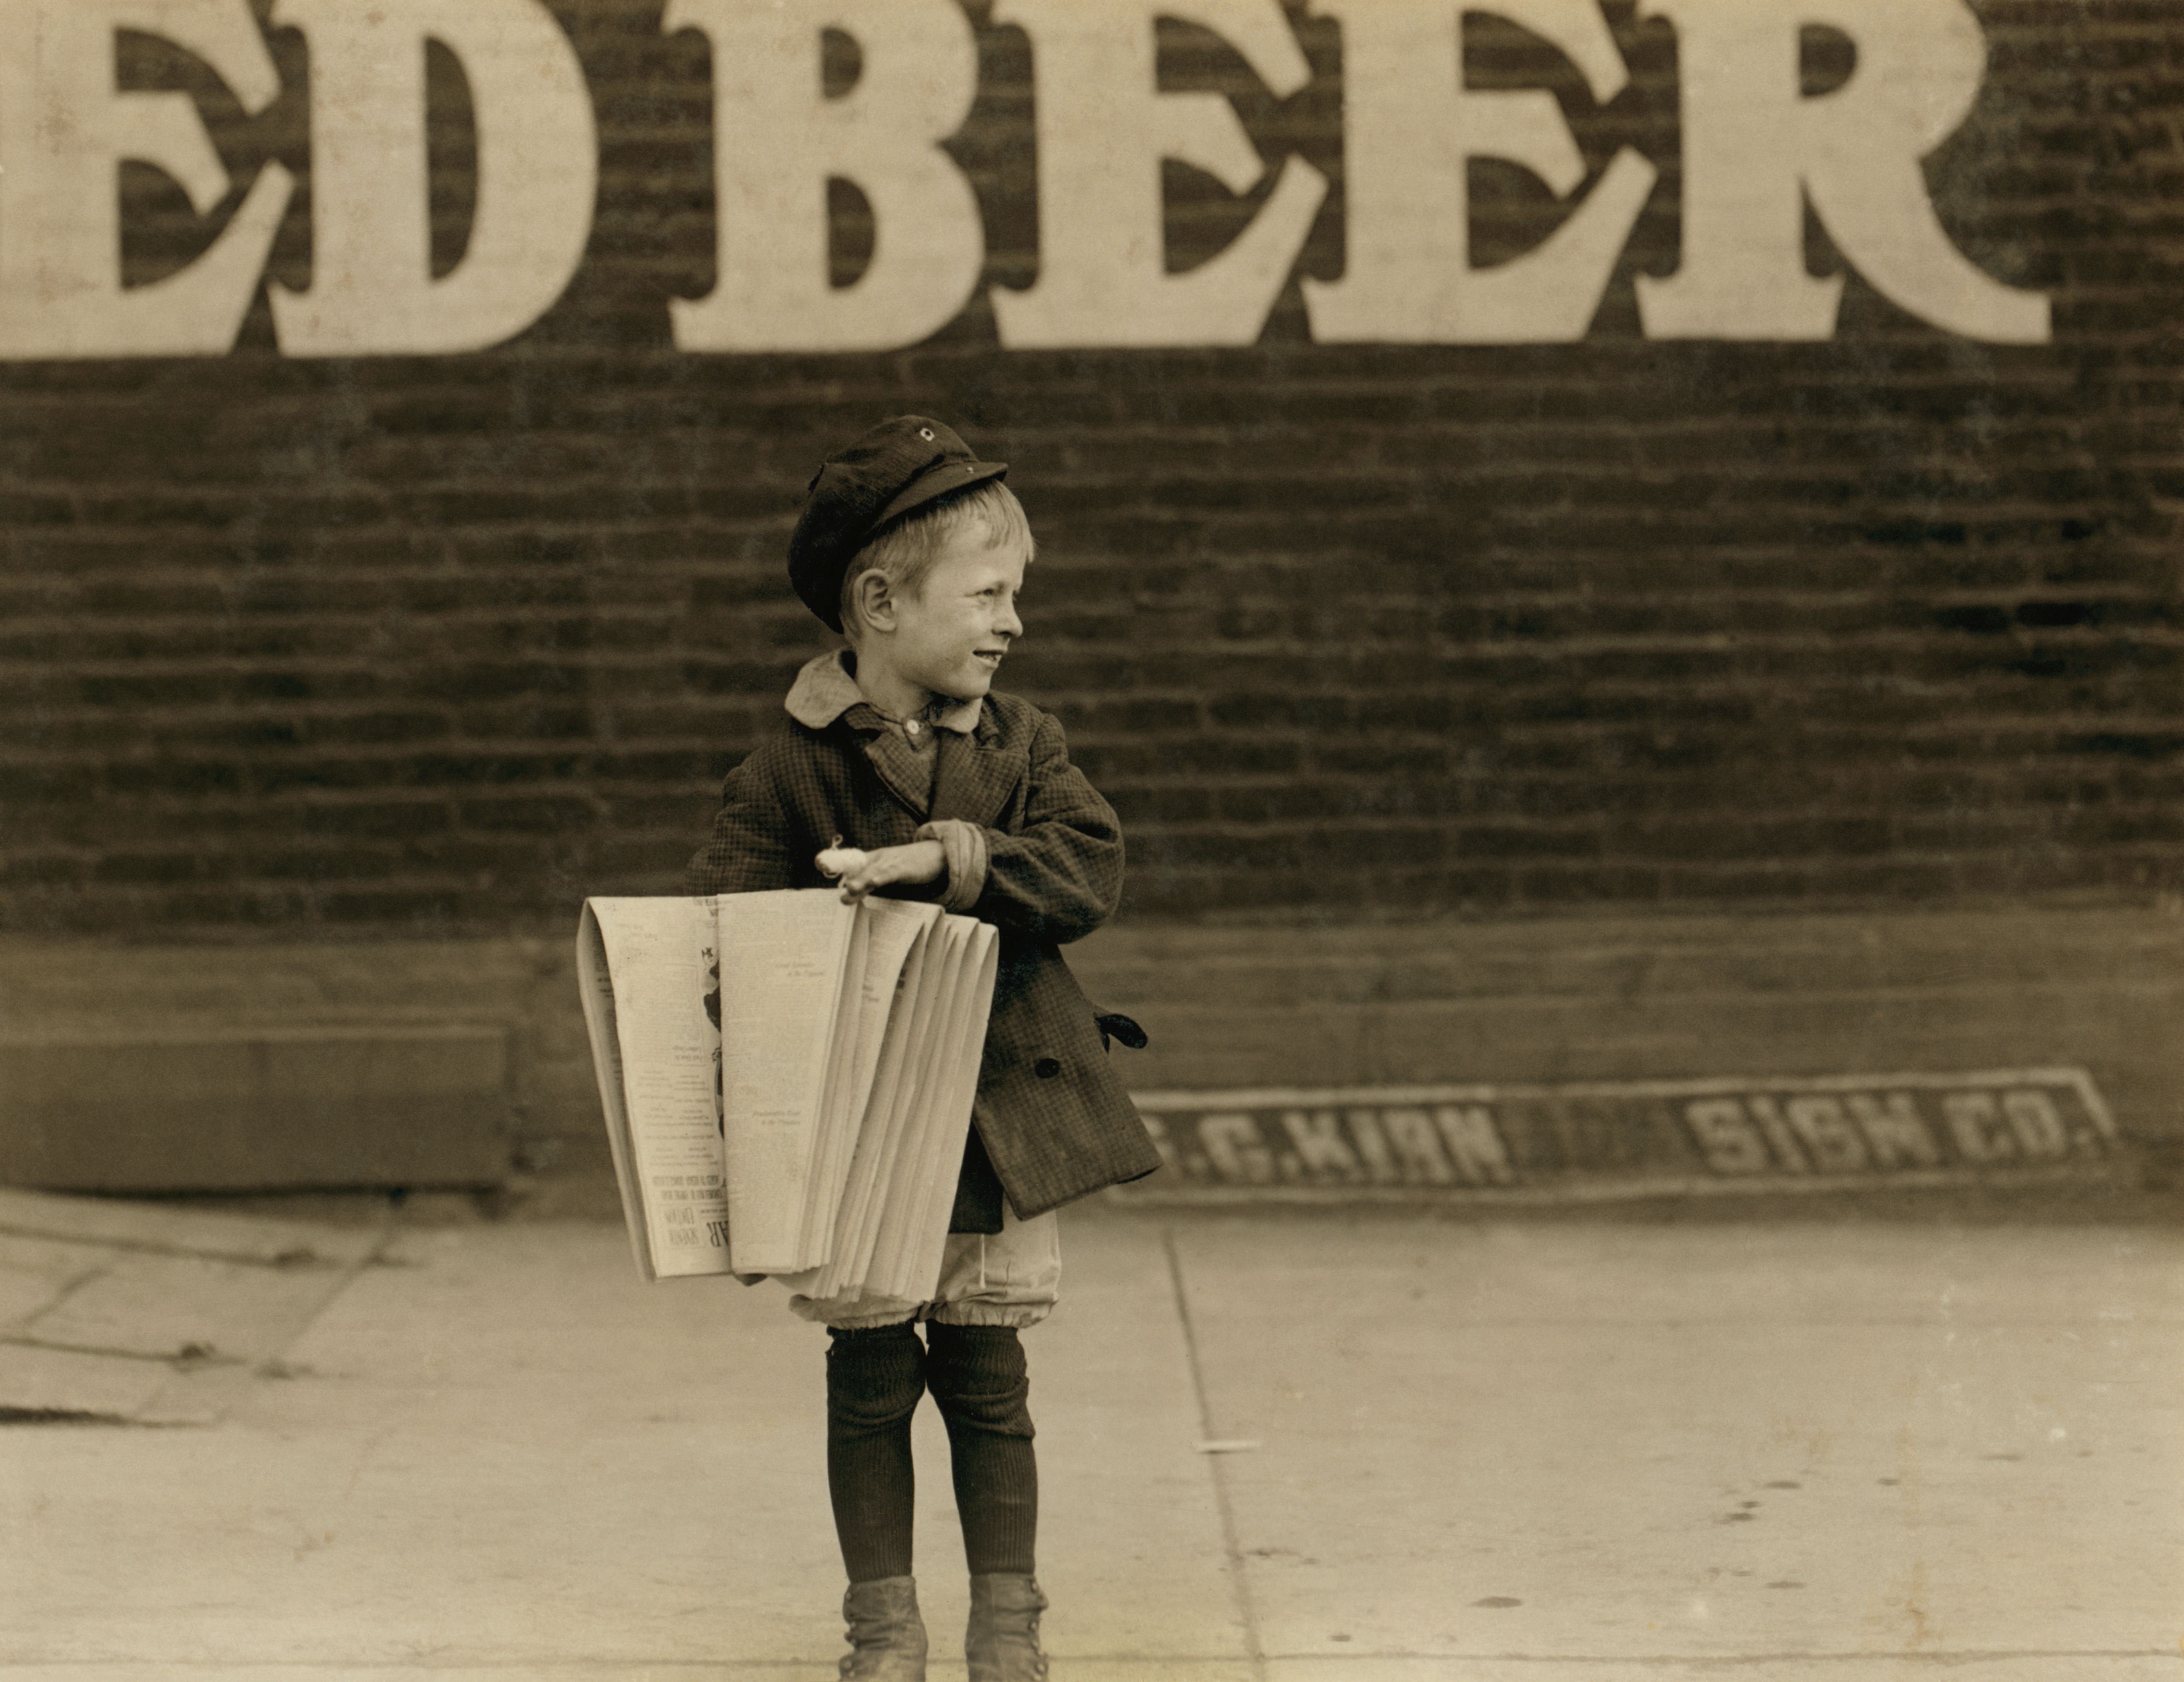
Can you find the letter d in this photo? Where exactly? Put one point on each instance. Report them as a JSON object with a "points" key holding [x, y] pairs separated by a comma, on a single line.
{"points": [[372, 290]]}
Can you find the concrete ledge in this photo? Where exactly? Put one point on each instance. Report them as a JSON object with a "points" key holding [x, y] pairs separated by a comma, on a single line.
{"points": [[171, 1106], [449, 1063], [251, 1068]]}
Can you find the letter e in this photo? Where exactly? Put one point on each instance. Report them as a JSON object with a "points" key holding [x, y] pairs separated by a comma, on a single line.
{"points": [[65, 130], [1410, 129], [1104, 127]]}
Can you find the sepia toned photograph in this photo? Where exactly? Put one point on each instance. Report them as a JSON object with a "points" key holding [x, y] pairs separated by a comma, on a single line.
{"points": [[1091, 840]]}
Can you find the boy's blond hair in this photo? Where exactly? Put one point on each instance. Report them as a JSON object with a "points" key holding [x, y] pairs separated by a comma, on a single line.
{"points": [[904, 550]]}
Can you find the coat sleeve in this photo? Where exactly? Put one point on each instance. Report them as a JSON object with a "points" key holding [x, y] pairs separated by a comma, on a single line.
{"points": [[748, 850], [1058, 876]]}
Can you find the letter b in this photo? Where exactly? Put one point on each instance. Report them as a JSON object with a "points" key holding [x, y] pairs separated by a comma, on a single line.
{"points": [[778, 140]]}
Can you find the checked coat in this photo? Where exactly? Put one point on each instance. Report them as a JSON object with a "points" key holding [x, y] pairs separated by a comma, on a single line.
{"points": [[1050, 1116]]}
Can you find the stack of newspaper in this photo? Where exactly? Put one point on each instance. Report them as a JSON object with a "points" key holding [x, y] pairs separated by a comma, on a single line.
{"points": [[788, 1081]]}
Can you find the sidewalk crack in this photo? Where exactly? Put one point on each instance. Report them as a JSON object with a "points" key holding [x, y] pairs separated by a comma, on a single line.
{"points": [[1254, 1649]]}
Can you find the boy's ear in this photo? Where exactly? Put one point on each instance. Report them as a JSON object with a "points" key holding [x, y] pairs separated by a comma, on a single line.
{"points": [[875, 602]]}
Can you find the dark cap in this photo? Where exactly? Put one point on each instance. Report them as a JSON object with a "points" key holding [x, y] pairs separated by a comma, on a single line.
{"points": [[901, 463]]}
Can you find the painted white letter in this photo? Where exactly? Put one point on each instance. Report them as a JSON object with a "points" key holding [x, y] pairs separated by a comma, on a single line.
{"points": [[1409, 127], [372, 293], [777, 139], [64, 130], [1751, 140], [1104, 127]]}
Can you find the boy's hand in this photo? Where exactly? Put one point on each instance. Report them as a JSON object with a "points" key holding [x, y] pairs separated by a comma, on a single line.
{"points": [[860, 871]]}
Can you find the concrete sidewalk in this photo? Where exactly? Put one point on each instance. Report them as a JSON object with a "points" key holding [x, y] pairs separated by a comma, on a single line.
{"points": [[1295, 1448]]}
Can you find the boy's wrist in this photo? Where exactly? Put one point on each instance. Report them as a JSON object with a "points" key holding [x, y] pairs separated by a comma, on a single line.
{"points": [[963, 854]]}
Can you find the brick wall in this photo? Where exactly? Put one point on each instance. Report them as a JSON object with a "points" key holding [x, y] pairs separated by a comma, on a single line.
{"points": [[436, 644]]}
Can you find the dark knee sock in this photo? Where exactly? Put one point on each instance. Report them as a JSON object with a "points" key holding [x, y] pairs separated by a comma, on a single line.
{"points": [[874, 1379], [977, 1377]]}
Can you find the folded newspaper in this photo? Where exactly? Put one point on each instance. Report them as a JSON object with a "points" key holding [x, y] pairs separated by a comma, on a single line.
{"points": [[787, 1081]]}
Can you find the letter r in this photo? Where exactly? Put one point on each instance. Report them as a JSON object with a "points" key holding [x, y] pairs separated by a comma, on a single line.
{"points": [[1754, 147]]}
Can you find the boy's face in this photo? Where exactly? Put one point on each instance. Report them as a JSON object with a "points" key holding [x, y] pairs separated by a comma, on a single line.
{"points": [[951, 633]]}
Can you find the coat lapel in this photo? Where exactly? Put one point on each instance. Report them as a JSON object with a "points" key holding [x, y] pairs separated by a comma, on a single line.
{"points": [[977, 779], [899, 767]]}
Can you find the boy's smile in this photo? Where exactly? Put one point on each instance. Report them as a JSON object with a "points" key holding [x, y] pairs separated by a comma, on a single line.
{"points": [[950, 635]]}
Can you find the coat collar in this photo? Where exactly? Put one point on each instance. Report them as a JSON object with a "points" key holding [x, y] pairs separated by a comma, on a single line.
{"points": [[977, 776], [827, 687]]}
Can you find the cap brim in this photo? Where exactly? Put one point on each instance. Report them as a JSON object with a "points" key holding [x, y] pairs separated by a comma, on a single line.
{"points": [[942, 479]]}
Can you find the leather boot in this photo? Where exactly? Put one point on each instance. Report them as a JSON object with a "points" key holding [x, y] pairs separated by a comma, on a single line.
{"points": [[1002, 1640], [887, 1637]]}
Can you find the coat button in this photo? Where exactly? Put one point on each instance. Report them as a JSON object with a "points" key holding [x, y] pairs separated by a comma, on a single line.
{"points": [[1046, 1068]]}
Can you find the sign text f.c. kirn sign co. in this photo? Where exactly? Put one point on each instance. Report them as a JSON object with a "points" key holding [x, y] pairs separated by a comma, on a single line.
{"points": [[1756, 151]]}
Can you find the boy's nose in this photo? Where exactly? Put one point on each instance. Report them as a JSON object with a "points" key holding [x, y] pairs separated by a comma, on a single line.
{"points": [[1006, 621]]}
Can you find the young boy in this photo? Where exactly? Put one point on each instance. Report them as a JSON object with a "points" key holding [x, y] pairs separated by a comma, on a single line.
{"points": [[901, 765]]}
